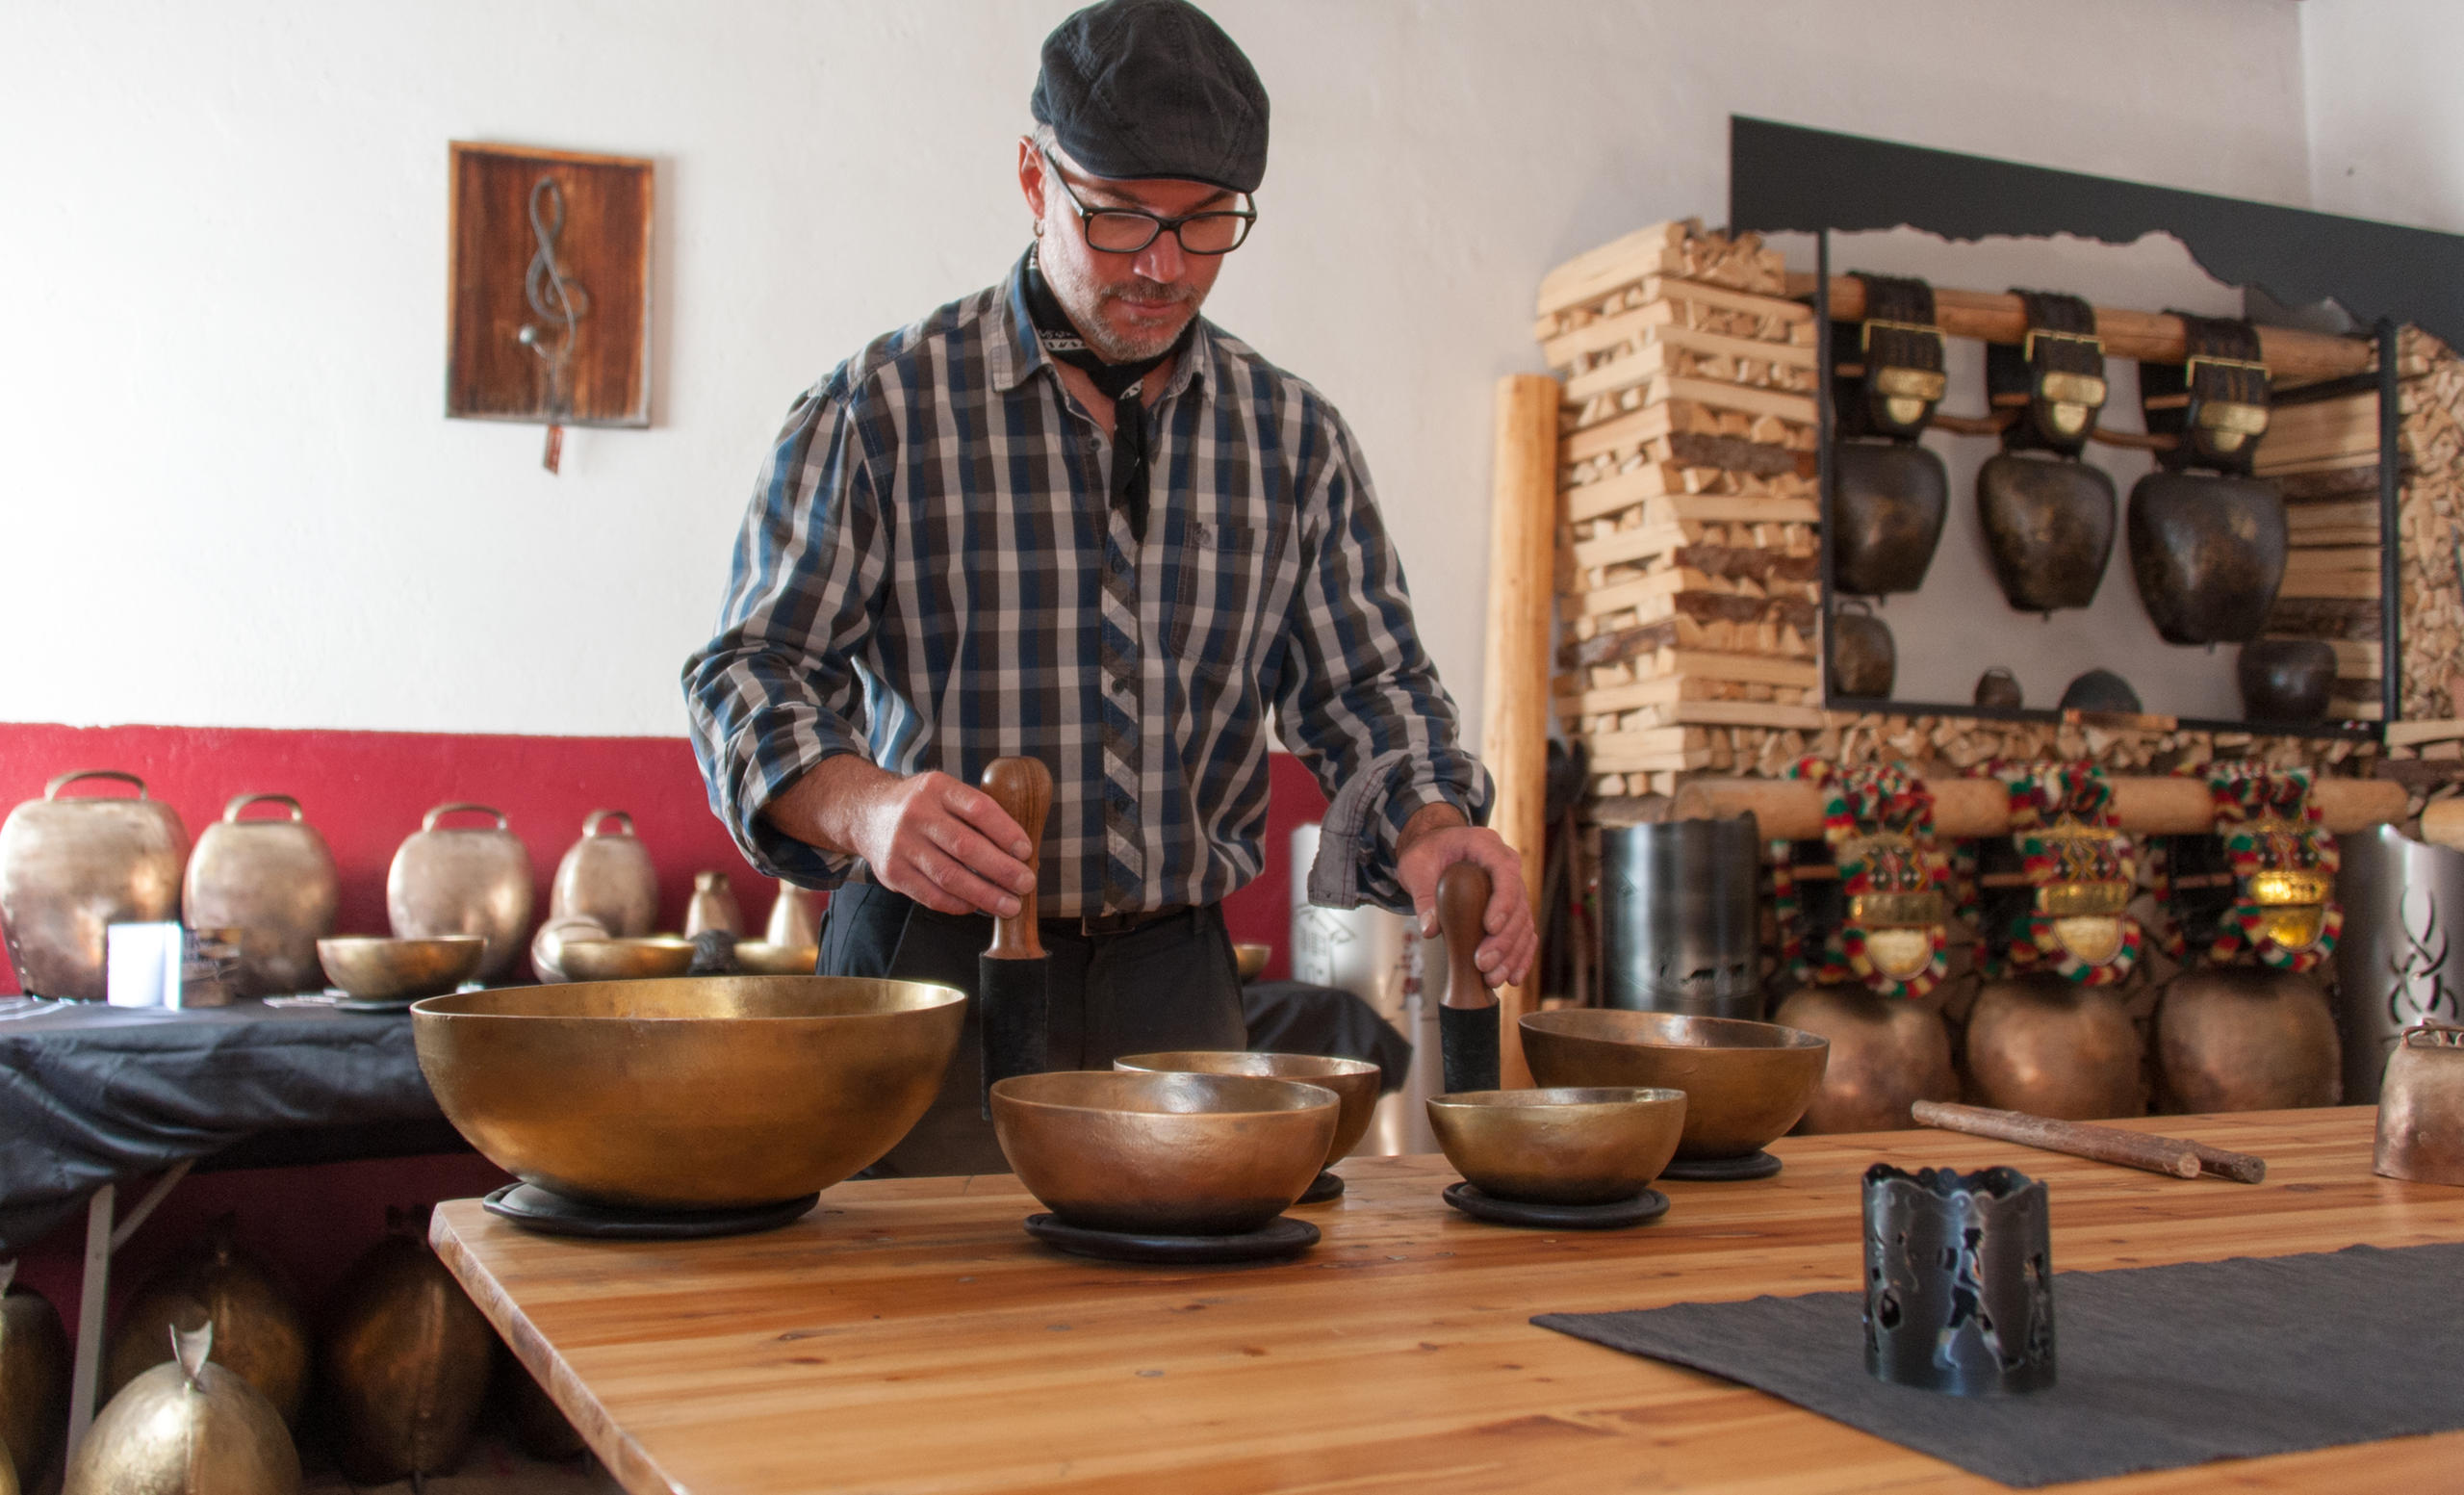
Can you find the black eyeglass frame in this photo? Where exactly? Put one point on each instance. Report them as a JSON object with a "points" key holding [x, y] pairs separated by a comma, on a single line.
{"points": [[1157, 224]]}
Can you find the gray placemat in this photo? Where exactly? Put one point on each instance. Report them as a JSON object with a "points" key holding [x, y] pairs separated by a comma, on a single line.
{"points": [[2159, 1366]]}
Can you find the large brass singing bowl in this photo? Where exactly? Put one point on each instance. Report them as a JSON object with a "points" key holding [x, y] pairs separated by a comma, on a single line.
{"points": [[378, 970], [698, 1092], [1356, 1082], [642, 958], [1745, 1083], [1163, 1154], [1589, 1146]]}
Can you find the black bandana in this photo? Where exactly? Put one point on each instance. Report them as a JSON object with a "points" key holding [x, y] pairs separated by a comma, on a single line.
{"points": [[1117, 382]]}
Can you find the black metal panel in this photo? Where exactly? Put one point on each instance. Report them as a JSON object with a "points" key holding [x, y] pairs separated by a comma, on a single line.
{"points": [[1787, 177]]}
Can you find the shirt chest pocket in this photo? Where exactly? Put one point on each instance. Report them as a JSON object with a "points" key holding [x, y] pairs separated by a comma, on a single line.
{"points": [[1218, 580]]}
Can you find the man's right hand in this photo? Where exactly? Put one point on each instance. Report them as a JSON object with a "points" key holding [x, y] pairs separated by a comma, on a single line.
{"points": [[946, 845]]}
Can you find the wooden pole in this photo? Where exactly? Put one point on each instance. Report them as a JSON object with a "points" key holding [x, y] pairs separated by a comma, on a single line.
{"points": [[2291, 356], [1785, 810], [1522, 588]]}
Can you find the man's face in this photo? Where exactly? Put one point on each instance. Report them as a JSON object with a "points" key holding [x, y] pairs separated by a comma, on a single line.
{"points": [[1129, 307]]}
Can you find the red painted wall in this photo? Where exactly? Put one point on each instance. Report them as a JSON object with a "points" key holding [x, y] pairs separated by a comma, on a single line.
{"points": [[366, 791]]}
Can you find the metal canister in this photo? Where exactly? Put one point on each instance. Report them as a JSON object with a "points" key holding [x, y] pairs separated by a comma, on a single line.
{"points": [[1679, 929], [273, 880], [463, 881], [1381, 959], [70, 868], [2396, 964]]}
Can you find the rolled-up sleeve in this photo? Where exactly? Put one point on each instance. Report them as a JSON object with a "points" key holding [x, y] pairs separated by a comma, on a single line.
{"points": [[1364, 710], [779, 688]]}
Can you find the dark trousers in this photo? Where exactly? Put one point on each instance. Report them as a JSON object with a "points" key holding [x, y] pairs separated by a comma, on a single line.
{"points": [[1171, 984]]}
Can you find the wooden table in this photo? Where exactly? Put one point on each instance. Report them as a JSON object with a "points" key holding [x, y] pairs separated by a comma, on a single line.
{"points": [[908, 1336]]}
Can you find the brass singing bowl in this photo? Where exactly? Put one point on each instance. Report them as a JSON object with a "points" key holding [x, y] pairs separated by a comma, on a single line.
{"points": [[1251, 959], [1356, 1082], [642, 958], [1745, 1083], [761, 958], [1164, 1153], [696, 1092], [1573, 1146], [379, 969]]}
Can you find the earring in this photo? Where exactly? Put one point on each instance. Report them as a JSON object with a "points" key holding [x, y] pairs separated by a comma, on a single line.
{"points": [[1039, 228]]}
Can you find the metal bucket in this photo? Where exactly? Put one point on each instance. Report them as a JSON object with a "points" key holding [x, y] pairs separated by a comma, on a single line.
{"points": [[2397, 961], [1679, 928], [1381, 958]]}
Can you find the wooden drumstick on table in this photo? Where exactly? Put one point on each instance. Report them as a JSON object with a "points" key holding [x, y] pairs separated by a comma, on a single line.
{"points": [[2174, 1155]]}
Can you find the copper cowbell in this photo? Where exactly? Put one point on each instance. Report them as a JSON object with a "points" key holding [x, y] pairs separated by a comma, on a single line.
{"points": [[274, 881], [712, 905], [1885, 1055], [406, 1361], [795, 916], [34, 1371], [463, 880], [2248, 1037], [2044, 1046], [72, 867], [2421, 1107], [187, 1428], [607, 877], [258, 1330]]}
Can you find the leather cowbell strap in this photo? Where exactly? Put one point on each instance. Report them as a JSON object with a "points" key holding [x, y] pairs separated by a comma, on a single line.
{"points": [[1901, 349], [2055, 378], [2216, 400]]}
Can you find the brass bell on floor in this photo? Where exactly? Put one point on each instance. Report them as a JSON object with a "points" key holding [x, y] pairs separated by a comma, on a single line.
{"points": [[34, 1376], [2041, 1044], [2248, 1037], [1885, 1054], [258, 1332], [405, 1361], [187, 1428]]}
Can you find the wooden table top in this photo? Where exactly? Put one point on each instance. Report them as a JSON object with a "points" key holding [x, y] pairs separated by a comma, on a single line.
{"points": [[909, 1336]]}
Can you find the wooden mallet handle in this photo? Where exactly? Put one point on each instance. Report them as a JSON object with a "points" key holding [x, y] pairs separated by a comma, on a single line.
{"points": [[2078, 1139], [1462, 913], [1022, 786]]}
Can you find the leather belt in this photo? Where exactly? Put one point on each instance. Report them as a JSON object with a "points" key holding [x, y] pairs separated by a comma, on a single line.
{"points": [[2056, 377], [1089, 925], [1902, 350], [2216, 400]]}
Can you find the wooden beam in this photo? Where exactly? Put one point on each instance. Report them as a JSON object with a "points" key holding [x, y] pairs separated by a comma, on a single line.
{"points": [[1522, 584], [2291, 356], [1786, 809]]}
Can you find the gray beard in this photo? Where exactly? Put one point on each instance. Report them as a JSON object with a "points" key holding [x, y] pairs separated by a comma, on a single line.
{"points": [[1083, 303]]}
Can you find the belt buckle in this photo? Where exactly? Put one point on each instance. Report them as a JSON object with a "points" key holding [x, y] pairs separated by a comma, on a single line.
{"points": [[1114, 923]]}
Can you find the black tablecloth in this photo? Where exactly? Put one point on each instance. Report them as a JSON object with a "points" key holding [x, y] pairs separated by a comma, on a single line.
{"points": [[2158, 1366], [91, 1094]]}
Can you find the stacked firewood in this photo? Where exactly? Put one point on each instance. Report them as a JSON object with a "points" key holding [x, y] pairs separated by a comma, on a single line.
{"points": [[2324, 456], [2431, 517], [1688, 567]]}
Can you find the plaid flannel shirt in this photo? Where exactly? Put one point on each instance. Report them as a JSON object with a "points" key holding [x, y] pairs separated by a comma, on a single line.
{"points": [[930, 576]]}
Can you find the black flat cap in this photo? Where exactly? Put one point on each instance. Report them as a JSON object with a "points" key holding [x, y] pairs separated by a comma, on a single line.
{"points": [[1144, 88]]}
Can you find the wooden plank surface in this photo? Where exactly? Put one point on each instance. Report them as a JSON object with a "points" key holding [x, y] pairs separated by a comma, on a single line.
{"points": [[909, 1337]]}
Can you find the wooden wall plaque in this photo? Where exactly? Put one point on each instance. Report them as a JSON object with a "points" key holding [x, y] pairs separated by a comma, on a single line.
{"points": [[604, 246]]}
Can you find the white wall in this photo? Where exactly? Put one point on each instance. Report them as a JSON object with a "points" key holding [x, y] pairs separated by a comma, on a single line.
{"points": [[2386, 109], [227, 495]]}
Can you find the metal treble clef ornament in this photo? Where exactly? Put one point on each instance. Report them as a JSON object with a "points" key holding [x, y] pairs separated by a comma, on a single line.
{"points": [[560, 302]]}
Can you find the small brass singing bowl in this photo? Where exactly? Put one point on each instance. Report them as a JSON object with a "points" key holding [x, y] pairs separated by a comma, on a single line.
{"points": [[1251, 959], [698, 1092], [637, 958], [1575, 1145], [376, 969], [761, 958], [1745, 1083], [1356, 1082], [1162, 1153]]}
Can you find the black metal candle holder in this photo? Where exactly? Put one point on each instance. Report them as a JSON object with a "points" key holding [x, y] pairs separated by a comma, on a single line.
{"points": [[1959, 1280]]}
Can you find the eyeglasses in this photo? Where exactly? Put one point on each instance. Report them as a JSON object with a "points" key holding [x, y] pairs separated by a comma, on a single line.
{"points": [[1129, 230]]}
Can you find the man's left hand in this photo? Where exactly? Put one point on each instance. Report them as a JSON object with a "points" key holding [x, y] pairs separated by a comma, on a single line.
{"points": [[1435, 839]]}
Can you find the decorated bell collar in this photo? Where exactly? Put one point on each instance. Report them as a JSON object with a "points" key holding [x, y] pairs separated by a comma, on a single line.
{"points": [[1899, 378], [2215, 401], [2284, 864], [2082, 872], [1894, 882], [2055, 379]]}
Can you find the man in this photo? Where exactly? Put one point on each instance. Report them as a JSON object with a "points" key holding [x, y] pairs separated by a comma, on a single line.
{"points": [[1067, 519]]}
